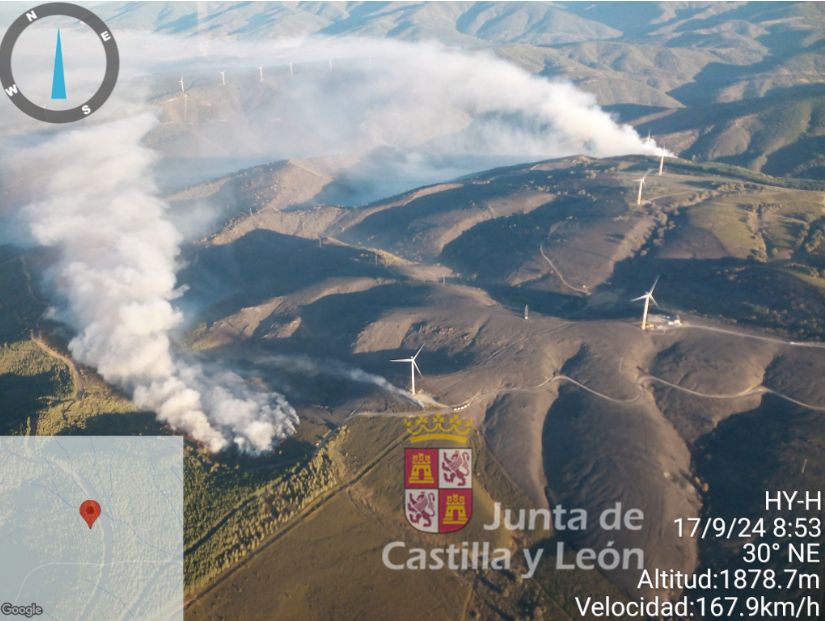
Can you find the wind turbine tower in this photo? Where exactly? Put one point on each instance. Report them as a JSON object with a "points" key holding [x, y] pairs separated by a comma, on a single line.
{"points": [[661, 162], [648, 298], [291, 72], [223, 78], [185, 99], [641, 182], [413, 368], [261, 74]]}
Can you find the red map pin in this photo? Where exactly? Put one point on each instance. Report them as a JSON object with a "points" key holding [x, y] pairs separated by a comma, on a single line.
{"points": [[90, 511]]}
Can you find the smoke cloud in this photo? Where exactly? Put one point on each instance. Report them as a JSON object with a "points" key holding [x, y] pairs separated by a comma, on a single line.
{"points": [[334, 368], [406, 113], [91, 196], [409, 113]]}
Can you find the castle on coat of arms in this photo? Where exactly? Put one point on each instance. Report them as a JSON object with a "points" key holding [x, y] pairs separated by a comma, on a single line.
{"points": [[438, 481]]}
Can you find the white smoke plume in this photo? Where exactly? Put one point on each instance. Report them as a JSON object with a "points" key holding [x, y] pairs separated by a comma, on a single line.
{"points": [[335, 368], [91, 196], [409, 113], [413, 113]]}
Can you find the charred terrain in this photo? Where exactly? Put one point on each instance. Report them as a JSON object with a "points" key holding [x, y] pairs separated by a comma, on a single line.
{"points": [[516, 281], [574, 405]]}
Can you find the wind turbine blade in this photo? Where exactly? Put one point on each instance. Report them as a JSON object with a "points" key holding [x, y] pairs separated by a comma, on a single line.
{"points": [[655, 282], [417, 369], [641, 297], [652, 299], [418, 352], [402, 360]]}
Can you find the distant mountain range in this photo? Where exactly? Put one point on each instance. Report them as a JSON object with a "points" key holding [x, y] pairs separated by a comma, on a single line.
{"points": [[740, 83]]}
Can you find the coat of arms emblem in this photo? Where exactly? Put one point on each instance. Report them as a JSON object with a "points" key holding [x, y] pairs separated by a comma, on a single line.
{"points": [[438, 482]]}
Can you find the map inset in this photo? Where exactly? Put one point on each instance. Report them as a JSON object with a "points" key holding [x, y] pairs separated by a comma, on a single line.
{"points": [[128, 565]]}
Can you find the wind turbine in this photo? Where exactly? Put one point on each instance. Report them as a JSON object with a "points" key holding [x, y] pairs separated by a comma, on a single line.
{"points": [[641, 182], [185, 99], [261, 73], [291, 72], [413, 368], [223, 77], [661, 162], [648, 298]]}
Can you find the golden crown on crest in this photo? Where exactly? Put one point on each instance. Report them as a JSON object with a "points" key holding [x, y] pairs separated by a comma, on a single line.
{"points": [[453, 428]]}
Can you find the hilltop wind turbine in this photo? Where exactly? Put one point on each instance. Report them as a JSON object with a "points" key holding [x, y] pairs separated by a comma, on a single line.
{"points": [[648, 298], [661, 162], [641, 182], [223, 77], [413, 368], [185, 99]]}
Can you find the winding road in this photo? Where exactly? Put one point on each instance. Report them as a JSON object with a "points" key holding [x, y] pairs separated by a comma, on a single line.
{"points": [[641, 384], [754, 390], [77, 378], [747, 335], [558, 273]]}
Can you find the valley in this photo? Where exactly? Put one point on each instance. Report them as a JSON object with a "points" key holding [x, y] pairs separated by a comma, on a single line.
{"points": [[285, 237]]}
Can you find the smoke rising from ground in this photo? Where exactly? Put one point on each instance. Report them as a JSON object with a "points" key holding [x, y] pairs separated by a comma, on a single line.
{"points": [[406, 113], [91, 196], [333, 368]]}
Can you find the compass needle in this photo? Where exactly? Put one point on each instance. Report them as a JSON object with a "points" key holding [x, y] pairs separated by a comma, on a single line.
{"points": [[58, 78], [88, 104]]}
